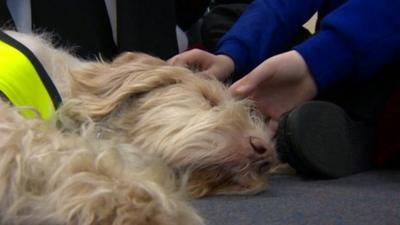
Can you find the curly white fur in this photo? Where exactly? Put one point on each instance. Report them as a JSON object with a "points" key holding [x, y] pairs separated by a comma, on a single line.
{"points": [[51, 177], [120, 148]]}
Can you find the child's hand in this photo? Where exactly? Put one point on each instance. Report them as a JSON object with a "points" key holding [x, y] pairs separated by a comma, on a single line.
{"points": [[277, 85], [220, 66]]}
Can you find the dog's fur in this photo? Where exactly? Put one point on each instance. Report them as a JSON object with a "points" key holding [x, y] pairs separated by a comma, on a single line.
{"points": [[126, 131]]}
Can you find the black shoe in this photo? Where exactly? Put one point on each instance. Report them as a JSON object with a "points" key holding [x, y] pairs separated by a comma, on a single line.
{"points": [[319, 139]]}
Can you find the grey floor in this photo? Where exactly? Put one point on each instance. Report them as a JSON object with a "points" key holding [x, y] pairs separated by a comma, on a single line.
{"points": [[370, 198]]}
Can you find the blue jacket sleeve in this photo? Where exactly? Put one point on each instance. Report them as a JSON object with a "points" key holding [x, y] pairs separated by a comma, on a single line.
{"points": [[264, 29], [354, 41]]}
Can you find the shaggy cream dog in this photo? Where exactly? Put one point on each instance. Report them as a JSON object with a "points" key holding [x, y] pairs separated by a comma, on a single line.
{"points": [[119, 149]]}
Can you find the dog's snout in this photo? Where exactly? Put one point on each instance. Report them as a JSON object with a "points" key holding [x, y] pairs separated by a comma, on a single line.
{"points": [[258, 145]]}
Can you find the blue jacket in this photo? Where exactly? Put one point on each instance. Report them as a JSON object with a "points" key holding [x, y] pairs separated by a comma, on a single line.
{"points": [[355, 37]]}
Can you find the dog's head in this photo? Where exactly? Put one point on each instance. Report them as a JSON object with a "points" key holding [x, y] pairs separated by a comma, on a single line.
{"points": [[189, 120]]}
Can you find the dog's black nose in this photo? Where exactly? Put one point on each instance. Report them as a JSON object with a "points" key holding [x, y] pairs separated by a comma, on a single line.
{"points": [[257, 145]]}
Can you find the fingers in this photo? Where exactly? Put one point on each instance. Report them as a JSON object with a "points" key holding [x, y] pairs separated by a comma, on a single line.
{"points": [[240, 89], [250, 82], [219, 66], [178, 60], [192, 59]]}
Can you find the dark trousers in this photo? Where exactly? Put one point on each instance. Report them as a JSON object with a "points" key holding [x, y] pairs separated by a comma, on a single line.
{"points": [[145, 26], [5, 17], [376, 104], [83, 25]]}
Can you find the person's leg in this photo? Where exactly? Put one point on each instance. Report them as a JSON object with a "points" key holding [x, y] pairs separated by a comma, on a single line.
{"points": [[387, 133], [218, 21], [335, 136], [5, 16], [388, 123], [147, 26], [82, 25], [189, 12]]}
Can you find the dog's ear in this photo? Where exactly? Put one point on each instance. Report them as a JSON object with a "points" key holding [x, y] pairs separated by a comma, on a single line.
{"points": [[136, 57], [102, 87]]}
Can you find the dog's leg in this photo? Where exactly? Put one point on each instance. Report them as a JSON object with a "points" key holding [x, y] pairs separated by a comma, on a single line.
{"points": [[118, 188], [100, 197]]}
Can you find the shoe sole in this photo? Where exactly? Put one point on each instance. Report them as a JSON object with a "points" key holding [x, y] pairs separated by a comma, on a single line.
{"points": [[319, 139]]}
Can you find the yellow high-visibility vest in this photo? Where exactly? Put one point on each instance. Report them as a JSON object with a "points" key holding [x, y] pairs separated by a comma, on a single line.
{"points": [[23, 80]]}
